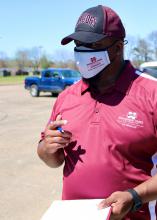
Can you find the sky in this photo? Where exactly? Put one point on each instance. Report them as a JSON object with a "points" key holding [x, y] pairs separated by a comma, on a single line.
{"points": [[43, 23]]}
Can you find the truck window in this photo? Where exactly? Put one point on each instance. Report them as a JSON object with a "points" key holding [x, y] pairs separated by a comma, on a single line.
{"points": [[70, 73], [47, 74], [55, 74]]}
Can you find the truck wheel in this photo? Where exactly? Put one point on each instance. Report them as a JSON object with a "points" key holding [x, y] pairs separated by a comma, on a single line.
{"points": [[54, 94], [34, 90]]}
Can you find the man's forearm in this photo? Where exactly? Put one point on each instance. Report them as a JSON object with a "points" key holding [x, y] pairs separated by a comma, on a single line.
{"points": [[52, 160], [148, 190]]}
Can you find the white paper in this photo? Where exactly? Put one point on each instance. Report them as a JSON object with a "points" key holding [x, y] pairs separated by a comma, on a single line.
{"points": [[86, 209]]}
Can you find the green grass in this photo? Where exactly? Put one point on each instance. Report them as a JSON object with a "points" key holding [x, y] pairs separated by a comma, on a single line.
{"points": [[6, 80]]}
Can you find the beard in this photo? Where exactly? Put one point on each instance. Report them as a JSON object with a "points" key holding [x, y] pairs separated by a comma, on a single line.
{"points": [[100, 83], [94, 81]]}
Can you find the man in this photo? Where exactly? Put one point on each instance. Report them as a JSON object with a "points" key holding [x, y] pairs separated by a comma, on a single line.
{"points": [[109, 139]]}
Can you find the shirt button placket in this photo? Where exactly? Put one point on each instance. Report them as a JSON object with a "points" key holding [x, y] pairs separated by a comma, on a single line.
{"points": [[96, 110], [96, 116]]}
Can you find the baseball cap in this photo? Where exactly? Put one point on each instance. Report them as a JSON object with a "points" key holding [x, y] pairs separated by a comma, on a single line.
{"points": [[96, 23]]}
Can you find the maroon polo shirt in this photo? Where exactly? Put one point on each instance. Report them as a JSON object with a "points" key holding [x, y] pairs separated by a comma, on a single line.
{"points": [[114, 138]]}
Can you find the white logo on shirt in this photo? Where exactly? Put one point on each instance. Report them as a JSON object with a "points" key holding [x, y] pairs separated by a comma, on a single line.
{"points": [[132, 115], [130, 120]]}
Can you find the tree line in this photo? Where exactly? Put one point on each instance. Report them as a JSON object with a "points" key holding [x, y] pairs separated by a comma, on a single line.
{"points": [[138, 50]]}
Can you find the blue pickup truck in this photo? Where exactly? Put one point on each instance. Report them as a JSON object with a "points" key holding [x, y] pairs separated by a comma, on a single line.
{"points": [[52, 80]]}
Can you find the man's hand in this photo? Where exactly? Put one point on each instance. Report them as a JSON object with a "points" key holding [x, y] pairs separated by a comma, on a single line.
{"points": [[55, 139], [50, 149], [120, 202]]}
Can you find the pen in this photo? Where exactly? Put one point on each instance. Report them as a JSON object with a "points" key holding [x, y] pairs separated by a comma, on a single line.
{"points": [[60, 129]]}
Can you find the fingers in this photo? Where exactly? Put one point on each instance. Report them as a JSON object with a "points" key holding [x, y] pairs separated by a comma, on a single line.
{"points": [[55, 136], [52, 148], [52, 131], [106, 203], [52, 144], [54, 124], [120, 202], [110, 202], [56, 133], [55, 139], [59, 117], [58, 140]]}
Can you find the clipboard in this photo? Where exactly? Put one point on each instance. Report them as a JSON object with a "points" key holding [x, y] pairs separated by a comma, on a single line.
{"points": [[86, 209]]}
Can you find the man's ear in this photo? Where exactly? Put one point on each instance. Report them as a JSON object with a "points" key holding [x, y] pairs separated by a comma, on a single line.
{"points": [[119, 47]]}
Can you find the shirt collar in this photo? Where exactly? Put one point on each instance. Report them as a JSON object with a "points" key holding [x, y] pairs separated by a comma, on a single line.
{"points": [[124, 82], [84, 87]]}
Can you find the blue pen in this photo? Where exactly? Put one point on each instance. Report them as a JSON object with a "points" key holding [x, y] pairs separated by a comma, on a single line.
{"points": [[60, 129]]}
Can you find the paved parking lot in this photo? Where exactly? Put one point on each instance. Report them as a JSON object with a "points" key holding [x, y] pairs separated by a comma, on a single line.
{"points": [[27, 185]]}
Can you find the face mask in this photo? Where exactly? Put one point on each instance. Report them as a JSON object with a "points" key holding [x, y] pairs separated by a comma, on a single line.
{"points": [[89, 61]]}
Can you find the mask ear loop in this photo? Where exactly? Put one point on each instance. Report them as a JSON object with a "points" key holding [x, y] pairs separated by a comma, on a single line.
{"points": [[125, 42]]}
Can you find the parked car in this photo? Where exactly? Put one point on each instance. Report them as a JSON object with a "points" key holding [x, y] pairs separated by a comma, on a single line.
{"points": [[36, 72], [21, 72], [5, 72], [149, 68], [51, 80]]}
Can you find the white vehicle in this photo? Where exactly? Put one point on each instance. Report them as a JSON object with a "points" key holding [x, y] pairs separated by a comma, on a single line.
{"points": [[150, 68]]}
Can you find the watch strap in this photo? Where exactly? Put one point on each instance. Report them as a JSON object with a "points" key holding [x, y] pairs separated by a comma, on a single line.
{"points": [[137, 200]]}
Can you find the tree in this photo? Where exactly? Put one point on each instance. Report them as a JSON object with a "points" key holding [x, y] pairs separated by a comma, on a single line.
{"points": [[22, 59], [44, 62], [129, 47], [71, 64], [35, 56], [153, 41], [142, 51], [3, 60], [63, 55]]}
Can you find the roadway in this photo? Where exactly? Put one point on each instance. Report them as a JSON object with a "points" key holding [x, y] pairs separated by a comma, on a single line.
{"points": [[27, 185]]}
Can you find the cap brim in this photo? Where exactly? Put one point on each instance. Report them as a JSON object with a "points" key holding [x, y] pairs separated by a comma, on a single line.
{"points": [[85, 37]]}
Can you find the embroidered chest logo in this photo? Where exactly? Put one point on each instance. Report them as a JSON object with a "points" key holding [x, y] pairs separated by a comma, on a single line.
{"points": [[130, 120]]}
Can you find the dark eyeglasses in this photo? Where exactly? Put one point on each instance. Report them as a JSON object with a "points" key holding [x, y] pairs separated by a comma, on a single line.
{"points": [[86, 48]]}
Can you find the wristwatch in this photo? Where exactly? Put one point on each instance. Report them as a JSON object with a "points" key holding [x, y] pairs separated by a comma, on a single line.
{"points": [[137, 200]]}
